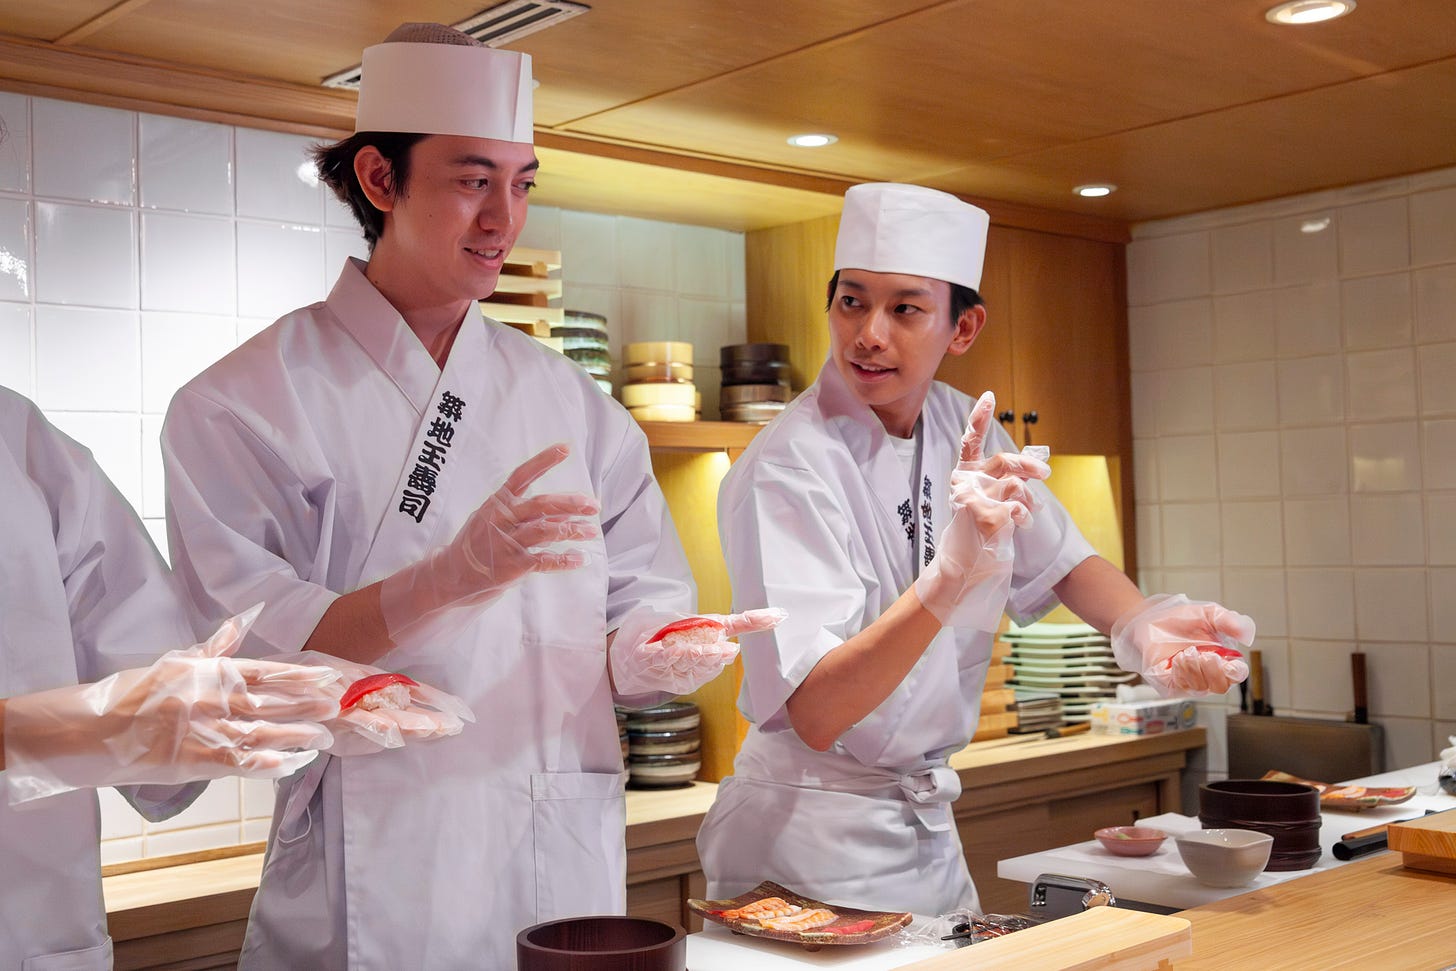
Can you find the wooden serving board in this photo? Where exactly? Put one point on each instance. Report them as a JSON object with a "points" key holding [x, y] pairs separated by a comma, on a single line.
{"points": [[1428, 843], [1100, 939]]}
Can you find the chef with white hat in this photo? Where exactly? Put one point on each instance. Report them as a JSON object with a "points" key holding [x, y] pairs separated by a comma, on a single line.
{"points": [[895, 532], [362, 467]]}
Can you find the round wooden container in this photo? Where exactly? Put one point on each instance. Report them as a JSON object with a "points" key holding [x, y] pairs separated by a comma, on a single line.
{"points": [[602, 944], [1287, 811]]}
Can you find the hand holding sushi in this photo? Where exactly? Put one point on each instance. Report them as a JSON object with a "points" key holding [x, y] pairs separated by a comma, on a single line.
{"points": [[654, 652], [373, 710], [966, 583], [1183, 646], [193, 714]]}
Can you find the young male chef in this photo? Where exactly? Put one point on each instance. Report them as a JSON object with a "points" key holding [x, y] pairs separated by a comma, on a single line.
{"points": [[84, 597], [359, 467], [894, 542]]}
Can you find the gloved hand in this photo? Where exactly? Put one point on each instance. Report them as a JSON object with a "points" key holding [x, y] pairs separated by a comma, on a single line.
{"points": [[1183, 646], [677, 653], [432, 713], [194, 714], [966, 584], [494, 549]]}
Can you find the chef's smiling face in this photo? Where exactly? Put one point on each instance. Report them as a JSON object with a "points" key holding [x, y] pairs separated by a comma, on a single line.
{"points": [[462, 207], [888, 333]]}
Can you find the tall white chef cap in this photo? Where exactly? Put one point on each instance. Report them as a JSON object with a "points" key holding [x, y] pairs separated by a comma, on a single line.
{"points": [[891, 228], [436, 80]]}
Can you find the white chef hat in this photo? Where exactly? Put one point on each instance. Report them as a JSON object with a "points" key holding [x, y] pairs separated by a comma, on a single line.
{"points": [[435, 80], [887, 227]]}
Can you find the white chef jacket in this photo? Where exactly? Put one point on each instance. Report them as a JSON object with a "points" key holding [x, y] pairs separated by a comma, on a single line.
{"points": [[83, 594], [297, 469], [818, 517]]}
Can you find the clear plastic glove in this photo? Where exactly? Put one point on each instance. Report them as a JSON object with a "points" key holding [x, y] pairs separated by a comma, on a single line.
{"points": [[966, 584], [194, 714], [1183, 646], [497, 546], [676, 653], [432, 713]]}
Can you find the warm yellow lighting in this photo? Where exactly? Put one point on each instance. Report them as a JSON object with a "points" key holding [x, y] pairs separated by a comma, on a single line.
{"points": [[812, 140], [1089, 486], [1302, 12], [1095, 190]]}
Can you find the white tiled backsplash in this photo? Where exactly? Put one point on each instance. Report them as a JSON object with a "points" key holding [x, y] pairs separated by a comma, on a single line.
{"points": [[1314, 488], [136, 249]]}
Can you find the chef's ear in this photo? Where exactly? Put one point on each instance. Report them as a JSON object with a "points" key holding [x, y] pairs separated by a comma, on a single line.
{"points": [[967, 328], [376, 177]]}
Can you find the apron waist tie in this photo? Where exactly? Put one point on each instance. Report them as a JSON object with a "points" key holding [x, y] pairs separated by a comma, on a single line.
{"points": [[929, 792]]}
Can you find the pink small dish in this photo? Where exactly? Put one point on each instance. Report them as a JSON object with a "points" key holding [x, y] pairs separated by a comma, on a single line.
{"points": [[1131, 840]]}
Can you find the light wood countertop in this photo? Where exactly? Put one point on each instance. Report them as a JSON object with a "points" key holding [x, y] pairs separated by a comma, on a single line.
{"points": [[1372, 913]]}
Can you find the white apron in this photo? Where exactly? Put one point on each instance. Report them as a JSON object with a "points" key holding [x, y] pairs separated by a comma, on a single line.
{"points": [[820, 517], [83, 594], [434, 855]]}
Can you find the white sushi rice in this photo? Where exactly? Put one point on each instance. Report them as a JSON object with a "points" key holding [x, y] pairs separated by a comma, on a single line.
{"points": [[391, 697]]}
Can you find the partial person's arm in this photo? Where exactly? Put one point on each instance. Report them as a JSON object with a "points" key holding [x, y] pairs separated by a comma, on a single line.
{"points": [[194, 714], [1098, 592], [857, 676]]}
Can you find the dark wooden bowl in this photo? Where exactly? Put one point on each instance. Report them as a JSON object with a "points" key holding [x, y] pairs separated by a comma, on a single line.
{"points": [[602, 944], [1287, 811]]}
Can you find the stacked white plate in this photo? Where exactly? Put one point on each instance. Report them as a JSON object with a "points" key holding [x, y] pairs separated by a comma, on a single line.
{"points": [[1072, 660]]}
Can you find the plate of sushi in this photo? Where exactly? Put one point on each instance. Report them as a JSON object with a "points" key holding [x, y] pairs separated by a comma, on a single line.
{"points": [[775, 912]]}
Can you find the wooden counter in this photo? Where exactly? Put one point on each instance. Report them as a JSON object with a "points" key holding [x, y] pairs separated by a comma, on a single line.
{"points": [[1018, 798], [1372, 913]]}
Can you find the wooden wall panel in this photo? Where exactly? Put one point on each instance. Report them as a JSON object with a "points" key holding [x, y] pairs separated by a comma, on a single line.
{"points": [[787, 269]]}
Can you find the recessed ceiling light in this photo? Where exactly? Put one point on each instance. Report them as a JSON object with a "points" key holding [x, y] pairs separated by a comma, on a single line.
{"points": [[1308, 11], [1095, 190], [813, 140], [1315, 225]]}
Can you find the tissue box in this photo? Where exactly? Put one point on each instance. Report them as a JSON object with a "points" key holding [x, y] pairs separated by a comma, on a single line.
{"points": [[1143, 717]]}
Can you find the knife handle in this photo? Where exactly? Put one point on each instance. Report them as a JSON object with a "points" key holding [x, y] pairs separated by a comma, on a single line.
{"points": [[1357, 676], [1256, 681]]}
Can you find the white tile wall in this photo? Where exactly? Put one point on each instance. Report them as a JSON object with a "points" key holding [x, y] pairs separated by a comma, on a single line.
{"points": [[145, 247], [1334, 422]]}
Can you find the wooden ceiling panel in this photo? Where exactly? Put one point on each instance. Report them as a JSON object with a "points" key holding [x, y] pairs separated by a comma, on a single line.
{"points": [[50, 19], [626, 50], [1186, 105], [1365, 130], [1026, 75], [299, 41]]}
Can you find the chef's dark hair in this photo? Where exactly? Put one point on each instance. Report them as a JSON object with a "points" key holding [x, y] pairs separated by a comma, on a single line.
{"points": [[962, 298], [335, 164]]}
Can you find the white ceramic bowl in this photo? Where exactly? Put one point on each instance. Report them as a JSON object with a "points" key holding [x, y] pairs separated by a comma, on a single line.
{"points": [[1225, 857]]}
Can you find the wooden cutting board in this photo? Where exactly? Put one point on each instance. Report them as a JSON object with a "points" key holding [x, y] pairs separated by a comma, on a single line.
{"points": [[1427, 843], [1100, 939]]}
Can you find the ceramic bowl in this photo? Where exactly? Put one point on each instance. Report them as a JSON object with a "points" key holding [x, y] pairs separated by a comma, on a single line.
{"points": [[602, 944], [1225, 857], [1131, 840], [662, 771]]}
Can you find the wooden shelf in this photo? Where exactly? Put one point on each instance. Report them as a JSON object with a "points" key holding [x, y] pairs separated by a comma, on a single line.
{"points": [[699, 436]]}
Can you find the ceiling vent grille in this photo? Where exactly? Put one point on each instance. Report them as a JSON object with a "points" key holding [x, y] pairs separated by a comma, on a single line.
{"points": [[494, 27]]}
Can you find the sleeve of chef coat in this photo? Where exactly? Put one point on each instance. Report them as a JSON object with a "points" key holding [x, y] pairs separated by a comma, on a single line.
{"points": [[785, 540], [646, 565], [125, 609], [238, 519], [1045, 552]]}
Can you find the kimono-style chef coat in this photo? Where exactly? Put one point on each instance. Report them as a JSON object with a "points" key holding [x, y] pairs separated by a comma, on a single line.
{"points": [[83, 594], [329, 452], [822, 517]]}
